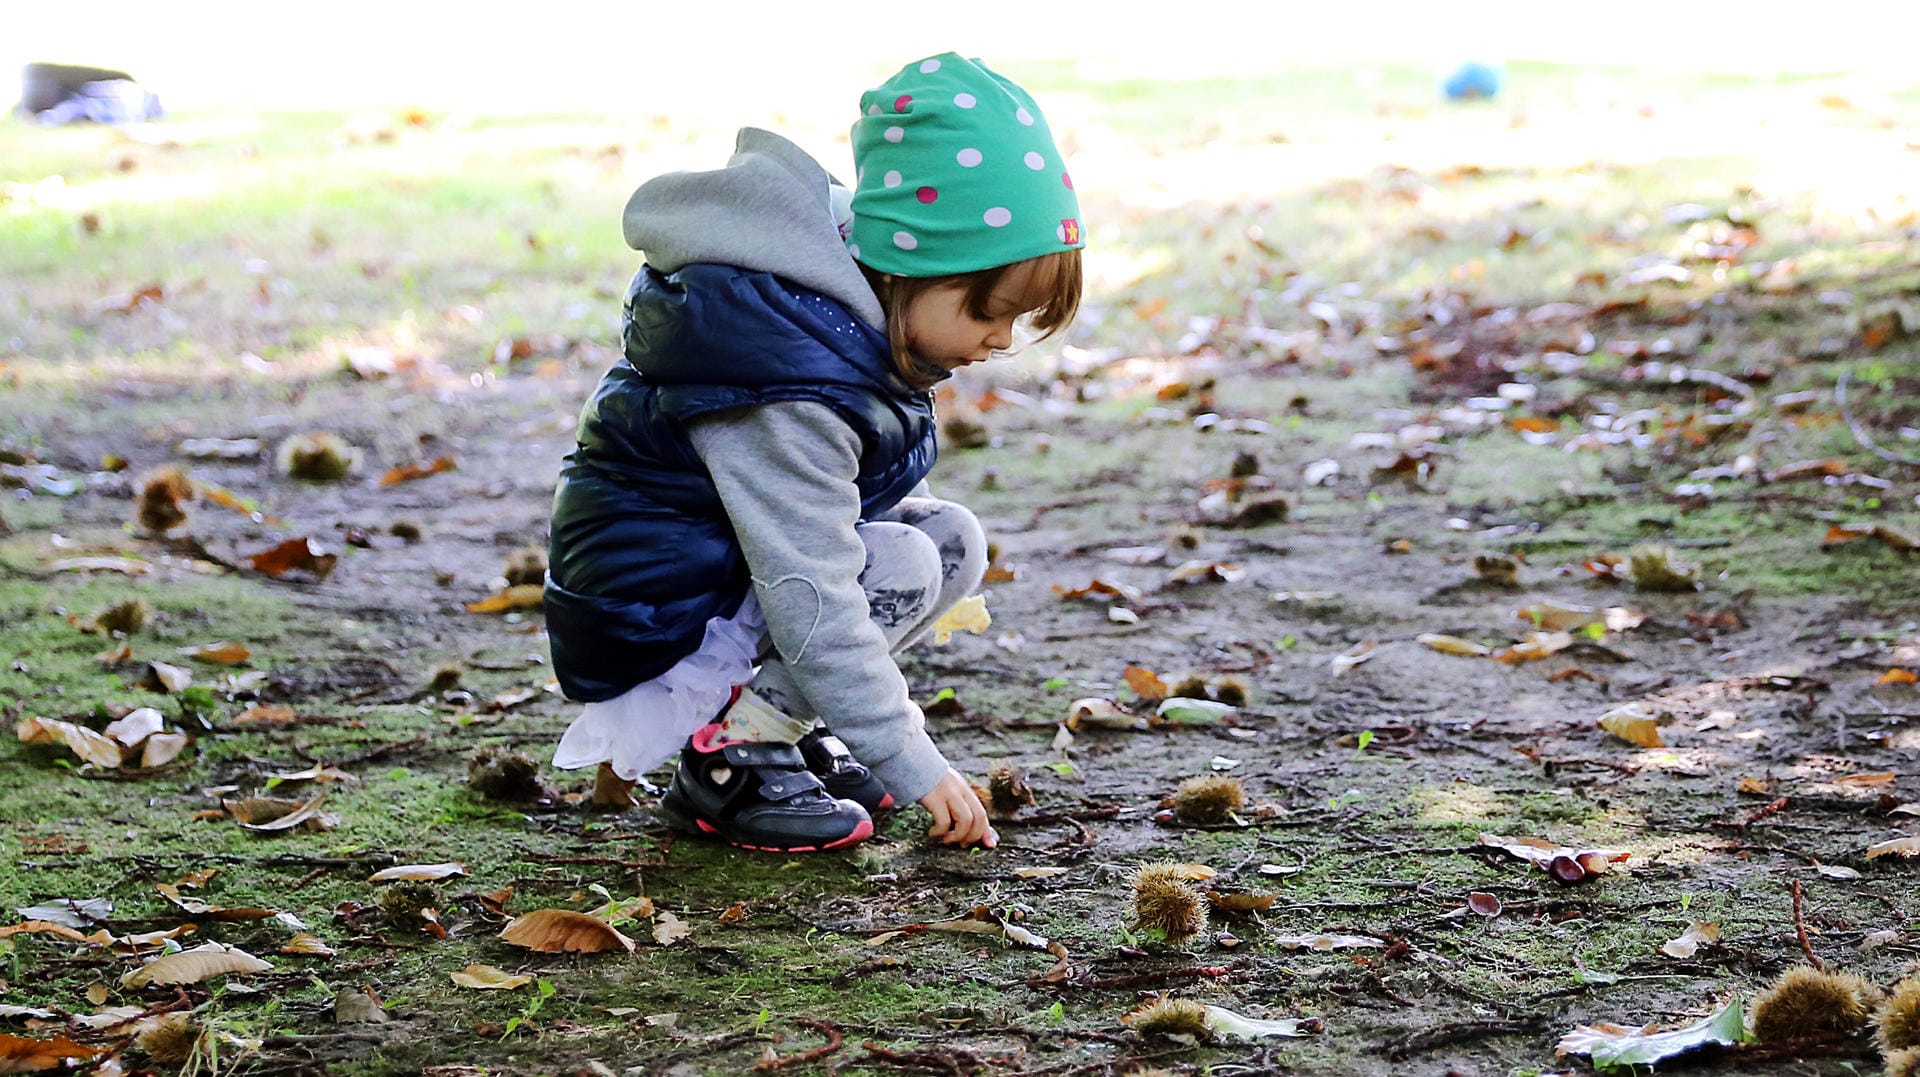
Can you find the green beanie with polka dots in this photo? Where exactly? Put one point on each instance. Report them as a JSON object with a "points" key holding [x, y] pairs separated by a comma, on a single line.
{"points": [[956, 172]]}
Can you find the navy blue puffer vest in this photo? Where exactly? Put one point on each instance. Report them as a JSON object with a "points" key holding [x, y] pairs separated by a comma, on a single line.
{"points": [[642, 553]]}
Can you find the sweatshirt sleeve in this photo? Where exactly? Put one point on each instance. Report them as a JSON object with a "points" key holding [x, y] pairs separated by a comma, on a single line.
{"points": [[785, 473]]}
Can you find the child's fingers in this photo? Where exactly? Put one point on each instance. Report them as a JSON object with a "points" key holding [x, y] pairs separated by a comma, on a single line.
{"points": [[942, 820]]}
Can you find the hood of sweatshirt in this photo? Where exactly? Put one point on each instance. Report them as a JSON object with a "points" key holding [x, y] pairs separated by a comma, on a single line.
{"points": [[769, 210]]}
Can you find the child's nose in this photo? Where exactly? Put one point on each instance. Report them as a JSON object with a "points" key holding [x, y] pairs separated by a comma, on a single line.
{"points": [[1001, 338]]}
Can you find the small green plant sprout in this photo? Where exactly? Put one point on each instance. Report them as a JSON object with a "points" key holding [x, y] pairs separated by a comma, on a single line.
{"points": [[1361, 741], [545, 989]]}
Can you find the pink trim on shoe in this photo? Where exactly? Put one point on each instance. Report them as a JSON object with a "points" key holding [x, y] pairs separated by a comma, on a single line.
{"points": [[706, 739]]}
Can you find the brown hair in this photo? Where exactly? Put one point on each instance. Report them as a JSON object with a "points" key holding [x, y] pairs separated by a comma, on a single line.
{"points": [[1052, 298]]}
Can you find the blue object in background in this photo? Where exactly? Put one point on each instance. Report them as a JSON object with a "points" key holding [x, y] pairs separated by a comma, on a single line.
{"points": [[1471, 81]]}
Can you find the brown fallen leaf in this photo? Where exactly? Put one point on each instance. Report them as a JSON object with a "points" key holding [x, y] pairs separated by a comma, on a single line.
{"points": [[1454, 645], [271, 814], [203, 962], [669, 929], [1241, 902], [1145, 683], [128, 302], [1896, 539], [1698, 934], [41, 927], [196, 907], [1895, 847], [163, 748], [140, 942], [24, 1054], [518, 597], [1098, 590], [295, 555], [409, 472], [224, 653], [1353, 656], [1326, 942], [555, 931], [1192, 572], [315, 773], [1536, 646], [488, 978], [1631, 723], [170, 679], [1096, 713], [266, 714], [95, 748], [419, 872], [307, 944], [1885, 777]]}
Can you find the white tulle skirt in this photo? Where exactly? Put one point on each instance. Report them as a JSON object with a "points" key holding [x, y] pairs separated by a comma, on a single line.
{"points": [[639, 730]]}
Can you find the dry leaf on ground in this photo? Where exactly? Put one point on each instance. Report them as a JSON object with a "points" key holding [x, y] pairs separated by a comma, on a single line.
{"points": [[295, 555], [95, 748], [1631, 723], [1896, 847], [553, 931], [967, 615], [307, 944], [1536, 646], [488, 978], [984, 921], [1096, 713], [1465, 648], [1326, 942], [203, 962], [1611, 1045], [272, 814], [1698, 934], [409, 472], [25, 1054], [223, 652], [1353, 656], [521, 596], [418, 872], [1145, 683], [195, 907], [1099, 590], [669, 929], [42, 927]]}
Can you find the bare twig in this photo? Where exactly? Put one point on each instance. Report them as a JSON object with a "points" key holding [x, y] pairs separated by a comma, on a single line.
{"points": [[1800, 929], [834, 1042], [1860, 432]]}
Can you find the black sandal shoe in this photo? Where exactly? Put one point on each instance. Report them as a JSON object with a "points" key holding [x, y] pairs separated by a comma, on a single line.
{"points": [[843, 775], [759, 795]]}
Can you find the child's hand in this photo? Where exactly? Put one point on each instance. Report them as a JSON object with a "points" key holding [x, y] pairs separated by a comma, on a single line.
{"points": [[958, 816]]}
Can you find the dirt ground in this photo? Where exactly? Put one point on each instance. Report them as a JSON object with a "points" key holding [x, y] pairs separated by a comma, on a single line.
{"points": [[1493, 455]]}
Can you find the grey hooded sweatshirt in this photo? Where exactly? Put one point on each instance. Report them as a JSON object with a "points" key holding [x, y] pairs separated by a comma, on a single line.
{"points": [[785, 472]]}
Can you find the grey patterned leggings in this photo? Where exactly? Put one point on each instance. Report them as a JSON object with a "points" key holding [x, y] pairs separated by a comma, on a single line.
{"points": [[923, 556]]}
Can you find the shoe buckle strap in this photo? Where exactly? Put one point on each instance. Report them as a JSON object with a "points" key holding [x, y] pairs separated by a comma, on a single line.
{"points": [[790, 784], [763, 754]]}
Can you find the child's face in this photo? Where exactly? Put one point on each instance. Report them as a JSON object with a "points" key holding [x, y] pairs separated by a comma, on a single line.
{"points": [[941, 330]]}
